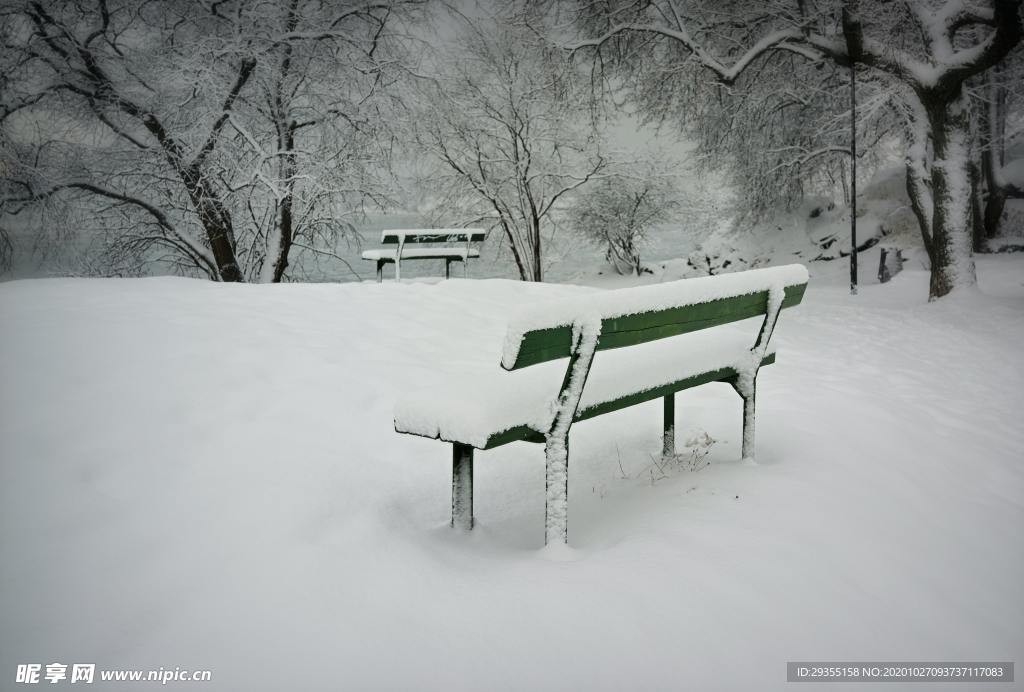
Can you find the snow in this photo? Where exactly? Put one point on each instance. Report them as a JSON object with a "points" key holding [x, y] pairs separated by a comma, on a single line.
{"points": [[471, 406], [438, 252], [454, 234], [206, 476], [727, 73], [633, 301]]}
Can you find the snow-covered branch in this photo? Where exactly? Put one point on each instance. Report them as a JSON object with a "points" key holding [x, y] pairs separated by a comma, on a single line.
{"points": [[727, 73]]}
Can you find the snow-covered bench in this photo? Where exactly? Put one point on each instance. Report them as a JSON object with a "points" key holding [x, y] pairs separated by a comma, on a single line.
{"points": [[540, 403], [433, 236]]}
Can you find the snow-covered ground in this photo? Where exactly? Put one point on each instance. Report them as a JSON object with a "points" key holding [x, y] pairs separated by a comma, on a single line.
{"points": [[205, 476]]}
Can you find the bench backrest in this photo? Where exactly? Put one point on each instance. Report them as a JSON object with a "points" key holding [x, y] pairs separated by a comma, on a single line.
{"points": [[432, 235], [638, 315]]}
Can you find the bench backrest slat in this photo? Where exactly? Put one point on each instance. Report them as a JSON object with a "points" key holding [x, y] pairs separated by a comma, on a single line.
{"points": [[628, 328], [432, 235]]}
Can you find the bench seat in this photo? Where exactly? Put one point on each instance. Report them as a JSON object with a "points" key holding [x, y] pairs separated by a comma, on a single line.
{"points": [[487, 409], [421, 253]]}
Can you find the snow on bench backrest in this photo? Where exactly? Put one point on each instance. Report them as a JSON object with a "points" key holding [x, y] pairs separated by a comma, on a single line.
{"points": [[432, 235], [637, 315]]}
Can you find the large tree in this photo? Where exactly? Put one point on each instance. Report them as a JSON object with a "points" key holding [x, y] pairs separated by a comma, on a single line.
{"points": [[926, 50], [217, 137]]}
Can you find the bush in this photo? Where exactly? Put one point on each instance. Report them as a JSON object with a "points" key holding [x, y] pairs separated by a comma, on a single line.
{"points": [[617, 211]]}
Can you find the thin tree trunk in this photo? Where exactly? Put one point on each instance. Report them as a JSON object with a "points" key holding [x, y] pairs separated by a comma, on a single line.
{"points": [[977, 209], [993, 116], [921, 205], [286, 230], [535, 232], [995, 203], [286, 143], [515, 250], [918, 179]]}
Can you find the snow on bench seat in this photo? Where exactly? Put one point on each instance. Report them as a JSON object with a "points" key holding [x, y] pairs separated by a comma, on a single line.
{"points": [[477, 407], [423, 253], [646, 299]]}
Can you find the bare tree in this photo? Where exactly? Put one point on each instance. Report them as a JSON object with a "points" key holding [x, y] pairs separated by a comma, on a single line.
{"points": [[79, 55], [313, 140], [780, 145], [511, 132], [618, 210], [998, 92], [950, 42], [209, 136]]}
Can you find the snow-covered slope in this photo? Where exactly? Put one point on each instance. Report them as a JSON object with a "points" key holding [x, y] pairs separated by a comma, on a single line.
{"points": [[205, 476], [818, 229]]}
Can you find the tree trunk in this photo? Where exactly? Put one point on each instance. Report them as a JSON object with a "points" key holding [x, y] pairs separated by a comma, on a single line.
{"points": [[995, 202], [507, 227], [286, 223], [216, 221], [921, 204], [952, 260], [919, 189], [535, 240], [623, 257], [213, 216], [286, 127], [977, 210], [993, 117]]}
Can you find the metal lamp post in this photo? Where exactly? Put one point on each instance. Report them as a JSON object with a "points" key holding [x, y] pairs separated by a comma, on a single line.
{"points": [[853, 178]]}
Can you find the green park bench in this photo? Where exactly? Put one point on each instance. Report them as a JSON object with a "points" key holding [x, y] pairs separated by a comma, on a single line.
{"points": [[420, 236], [541, 401]]}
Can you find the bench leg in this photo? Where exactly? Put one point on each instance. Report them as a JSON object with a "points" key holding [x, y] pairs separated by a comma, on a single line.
{"points": [[668, 436], [556, 440], [556, 485], [748, 394], [380, 271], [462, 486], [447, 269], [748, 426]]}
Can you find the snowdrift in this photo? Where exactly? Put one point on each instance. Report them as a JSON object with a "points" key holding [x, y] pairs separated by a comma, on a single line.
{"points": [[205, 476]]}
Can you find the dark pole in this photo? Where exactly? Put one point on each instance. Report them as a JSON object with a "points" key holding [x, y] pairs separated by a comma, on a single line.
{"points": [[853, 178]]}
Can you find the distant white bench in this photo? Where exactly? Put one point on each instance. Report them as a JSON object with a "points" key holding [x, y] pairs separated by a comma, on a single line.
{"points": [[487, 409], [433, 236]]}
